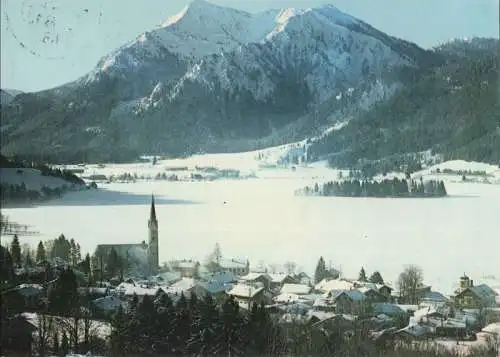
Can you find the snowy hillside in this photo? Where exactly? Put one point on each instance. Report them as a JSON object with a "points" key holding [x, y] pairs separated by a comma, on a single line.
{"points": [[32, 179], [215, 79]]}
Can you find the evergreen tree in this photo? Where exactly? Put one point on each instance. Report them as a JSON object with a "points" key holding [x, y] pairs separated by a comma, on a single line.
{"points": [[119, 338], [72, 253], [86, 264], [40, 253], [362, 275], [7, 265], [232, 339], [320, 272], [164, 329], [15, 251], [64, 298], [55, 344], [205, 327], [28, 260], [376, 278], [64, 345]]}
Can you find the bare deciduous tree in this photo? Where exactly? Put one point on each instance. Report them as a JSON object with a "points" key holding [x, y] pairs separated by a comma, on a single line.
{"points": [[409, 283], [290, 267]]}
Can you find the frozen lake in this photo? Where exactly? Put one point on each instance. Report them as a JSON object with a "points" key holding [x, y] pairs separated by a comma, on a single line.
{"points": [[260, 219]]}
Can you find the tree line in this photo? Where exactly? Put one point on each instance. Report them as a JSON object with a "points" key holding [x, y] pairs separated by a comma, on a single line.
{"points": [[385, 188]]}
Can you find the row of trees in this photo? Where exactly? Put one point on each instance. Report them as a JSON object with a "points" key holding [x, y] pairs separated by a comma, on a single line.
{"points": [[385, 188], [19, 193], [45, 170], [18, 256], [193, 326]]}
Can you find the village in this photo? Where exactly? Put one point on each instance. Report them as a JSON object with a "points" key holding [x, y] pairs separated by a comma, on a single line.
{"points": [[119, 277]]}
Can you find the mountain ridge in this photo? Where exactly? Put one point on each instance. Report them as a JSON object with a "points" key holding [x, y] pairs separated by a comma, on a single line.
{"points": [[307, 69]]}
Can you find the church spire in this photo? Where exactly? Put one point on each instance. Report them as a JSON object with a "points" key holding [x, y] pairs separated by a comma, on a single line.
{"points": [[152, 214]]}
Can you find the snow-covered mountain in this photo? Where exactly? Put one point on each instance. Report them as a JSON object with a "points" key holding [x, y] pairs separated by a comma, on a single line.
{"points": [[217, 79]]}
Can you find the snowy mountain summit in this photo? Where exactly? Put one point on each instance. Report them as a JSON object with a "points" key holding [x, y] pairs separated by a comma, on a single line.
{"points": [[213, 78]]}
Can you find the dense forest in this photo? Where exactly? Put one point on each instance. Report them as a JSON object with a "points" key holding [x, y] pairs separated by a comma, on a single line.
{"points": [[384, 188], [453, 109]]}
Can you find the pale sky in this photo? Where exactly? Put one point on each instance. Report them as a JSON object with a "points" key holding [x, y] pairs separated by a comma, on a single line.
{"points": [[69, 36]]}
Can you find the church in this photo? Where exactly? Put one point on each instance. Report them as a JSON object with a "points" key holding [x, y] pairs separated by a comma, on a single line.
{"points": [[141, 255]]}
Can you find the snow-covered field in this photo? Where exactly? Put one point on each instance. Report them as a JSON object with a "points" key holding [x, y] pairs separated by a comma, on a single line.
{"points": [[261, 219]]}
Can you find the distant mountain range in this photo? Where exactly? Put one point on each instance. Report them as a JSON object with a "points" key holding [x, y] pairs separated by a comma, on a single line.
{"points": [[214, 79]]}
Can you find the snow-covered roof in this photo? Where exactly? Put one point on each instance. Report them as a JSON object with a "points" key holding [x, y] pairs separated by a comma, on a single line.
{"points": [[279, 277], [493, 328], [334, 284], [186, 264], [109, 303], [255, 276], [434, 296], [287, 298], [131, 289], [414, 330], [387, 309], [222, 277], [232, 263], [354, 295], [243, 290], [299, 289], [184, 284], [29, 289]]}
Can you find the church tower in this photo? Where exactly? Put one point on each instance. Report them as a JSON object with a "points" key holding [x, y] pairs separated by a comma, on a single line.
{"points": [[153, 239]]}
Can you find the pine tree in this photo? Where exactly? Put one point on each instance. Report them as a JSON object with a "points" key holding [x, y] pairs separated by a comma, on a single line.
{"points": [[55, 344], [40, 253], [362, 275], [7, 266], [64, 345], [376, 278], [320, 272], [72, 253], [86, 264], [119, 337], [205, 327], [15, 251], [28, 260]]}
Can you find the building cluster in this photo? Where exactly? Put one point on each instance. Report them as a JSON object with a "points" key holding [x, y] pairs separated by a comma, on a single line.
{"points": [[294, 298]]}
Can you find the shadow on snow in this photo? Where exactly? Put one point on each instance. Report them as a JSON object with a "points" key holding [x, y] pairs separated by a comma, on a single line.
{"points": [[103, 197]]}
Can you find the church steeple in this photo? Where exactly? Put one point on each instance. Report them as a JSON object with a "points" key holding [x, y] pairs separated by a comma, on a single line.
{"points": [[153, 239], [152, 214]]}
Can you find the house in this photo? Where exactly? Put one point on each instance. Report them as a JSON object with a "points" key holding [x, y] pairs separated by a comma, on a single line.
{"points": [[247, 295], [372, 295], [348, 301], [434, 299], [188, 286], [93, 292], [469, 296], [235, 266], [303, 278], [17, 336], [186, 268], [384, 289], [279, 279], [108, 304], [27, 295], [169, 277], [253, 278], [388, 309]]}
